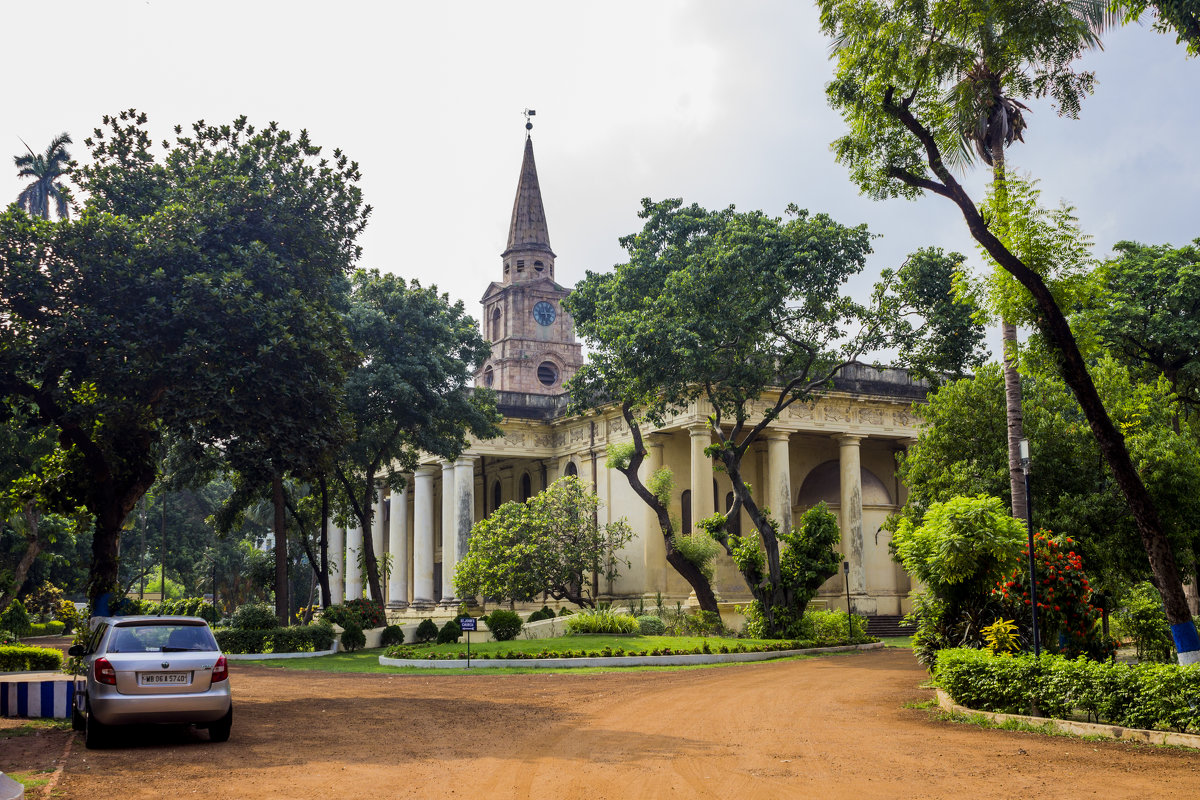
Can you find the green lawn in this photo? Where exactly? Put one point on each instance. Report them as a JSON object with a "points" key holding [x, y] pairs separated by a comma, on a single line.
{"points": [[368, 660]]}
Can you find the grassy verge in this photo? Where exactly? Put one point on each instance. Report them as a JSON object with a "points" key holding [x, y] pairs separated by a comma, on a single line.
{"points": [[30, 727], [896, 641], [368, 660]]}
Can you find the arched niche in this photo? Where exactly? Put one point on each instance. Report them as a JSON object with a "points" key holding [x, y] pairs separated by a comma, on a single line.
{"points": [[824, 483]]}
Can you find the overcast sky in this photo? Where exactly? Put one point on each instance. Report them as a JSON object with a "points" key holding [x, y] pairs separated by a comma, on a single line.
{"points": [[716, 102]]}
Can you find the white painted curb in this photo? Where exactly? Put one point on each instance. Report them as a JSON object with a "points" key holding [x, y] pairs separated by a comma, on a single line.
{"points": [[617, 661], [946, 703]]}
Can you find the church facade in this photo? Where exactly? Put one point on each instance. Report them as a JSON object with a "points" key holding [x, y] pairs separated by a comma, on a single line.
{"points": [[840, 449]]}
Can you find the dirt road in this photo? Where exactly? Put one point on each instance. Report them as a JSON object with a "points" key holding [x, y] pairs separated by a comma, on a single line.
{"points": [[826, 728]]}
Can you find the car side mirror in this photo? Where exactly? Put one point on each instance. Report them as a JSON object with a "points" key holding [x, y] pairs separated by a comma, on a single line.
{"points": [[75, 650]]}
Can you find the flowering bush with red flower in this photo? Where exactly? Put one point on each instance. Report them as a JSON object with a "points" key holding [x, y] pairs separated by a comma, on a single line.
{"points": [[1068, 623]]}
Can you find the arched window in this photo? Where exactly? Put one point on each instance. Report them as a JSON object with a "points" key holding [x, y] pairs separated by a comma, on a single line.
{"points": [[496, 332], [526, 487], [733, 526], [685, 502], [571, 469], [495, 495], [489, 377]]}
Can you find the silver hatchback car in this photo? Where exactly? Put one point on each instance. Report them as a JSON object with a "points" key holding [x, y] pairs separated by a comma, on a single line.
{"points": [[151, 670]]}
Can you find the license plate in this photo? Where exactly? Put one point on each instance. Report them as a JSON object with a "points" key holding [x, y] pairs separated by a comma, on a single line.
{"points": [[164, 678]]}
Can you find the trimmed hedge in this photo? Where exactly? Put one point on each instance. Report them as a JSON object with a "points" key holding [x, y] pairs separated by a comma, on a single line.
{"points": [[18, 658], [298, 639], [650, 625], [1146, 696], [51, 628], [608, 652]]}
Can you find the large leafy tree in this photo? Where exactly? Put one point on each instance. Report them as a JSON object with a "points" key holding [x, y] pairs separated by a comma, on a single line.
{"points": [[197, 294], [893, 85], [960, 452], [738, 310], [46, 170], [1147, 313], [409, 393], [549, 544]]}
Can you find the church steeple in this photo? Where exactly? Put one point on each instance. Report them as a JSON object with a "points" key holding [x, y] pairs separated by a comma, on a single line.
{"points": [[528, 254], [533, 337]]}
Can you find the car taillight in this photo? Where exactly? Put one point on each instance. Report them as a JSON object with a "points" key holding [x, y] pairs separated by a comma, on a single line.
{"points": [[220, 670], [104, 672]]}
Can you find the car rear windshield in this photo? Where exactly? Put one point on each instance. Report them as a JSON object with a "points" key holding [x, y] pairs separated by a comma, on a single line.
{"points": [[161, 638]]}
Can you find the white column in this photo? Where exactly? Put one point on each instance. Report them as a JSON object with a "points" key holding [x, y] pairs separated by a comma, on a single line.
{"points": [[354, 543], [779, 477], [702, 475], [449, 534], [423, 537], [850, 470], [379, 527], [337, 561], [654, 548], [464, 504], [398, 547]]}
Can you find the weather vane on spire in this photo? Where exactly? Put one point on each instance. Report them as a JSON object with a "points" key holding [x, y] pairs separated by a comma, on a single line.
{"points": [[529, 112]]}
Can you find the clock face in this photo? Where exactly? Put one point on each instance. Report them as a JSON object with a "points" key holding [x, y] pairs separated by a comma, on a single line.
{"points": [[544, 313]]}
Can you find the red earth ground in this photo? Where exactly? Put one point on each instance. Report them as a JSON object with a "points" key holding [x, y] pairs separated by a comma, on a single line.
{"points": [[829, 728]]}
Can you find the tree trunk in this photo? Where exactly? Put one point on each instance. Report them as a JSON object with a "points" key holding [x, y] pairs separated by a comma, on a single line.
{"points": [[686, 569], [32, 548], [282, 609], [1016, 421], [1012, 378], [323, 547]]}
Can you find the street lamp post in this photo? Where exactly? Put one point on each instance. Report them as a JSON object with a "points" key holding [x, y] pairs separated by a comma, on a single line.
{"points": [[1033, 602]]}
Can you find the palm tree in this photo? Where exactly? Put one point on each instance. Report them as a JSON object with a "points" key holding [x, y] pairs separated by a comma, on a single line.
{"points": [[994, 66], [45, 169]]}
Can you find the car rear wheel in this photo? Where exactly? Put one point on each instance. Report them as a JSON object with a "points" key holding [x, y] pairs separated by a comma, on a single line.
{"points": [[95, 734], [219, 731]]}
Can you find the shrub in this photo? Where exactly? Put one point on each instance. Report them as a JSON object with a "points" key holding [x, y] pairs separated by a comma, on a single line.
{"points": [[504, 624], [66, 613], [297, 639], [353, 638], [361, 612], [15, 618], [254, 617], [8, 637], [18, 658], [1142, 619], [601, 620], [427, 631], [187, 607], [449, 632], [1148, 696], [650, 625], [51, 628], [392, 635], [545, 612]]}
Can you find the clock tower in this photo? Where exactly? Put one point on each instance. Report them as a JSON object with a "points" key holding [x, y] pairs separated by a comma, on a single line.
{"points": [[533, 338]]}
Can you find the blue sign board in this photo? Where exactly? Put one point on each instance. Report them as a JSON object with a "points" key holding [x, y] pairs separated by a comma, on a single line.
{"points": [[467, 624]]}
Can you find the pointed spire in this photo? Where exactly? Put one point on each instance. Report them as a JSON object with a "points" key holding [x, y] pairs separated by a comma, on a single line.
{"points": [[528, 231]]}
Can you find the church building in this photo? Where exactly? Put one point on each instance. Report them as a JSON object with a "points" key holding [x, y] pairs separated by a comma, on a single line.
{"points": [[840, 449]]}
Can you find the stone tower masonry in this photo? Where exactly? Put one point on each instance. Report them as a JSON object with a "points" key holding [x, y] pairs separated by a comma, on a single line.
{"points": [[533, 338]]}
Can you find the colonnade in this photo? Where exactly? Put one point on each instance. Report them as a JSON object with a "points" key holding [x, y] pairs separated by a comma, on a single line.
{"points": [[409, 540], [779, 496]]}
